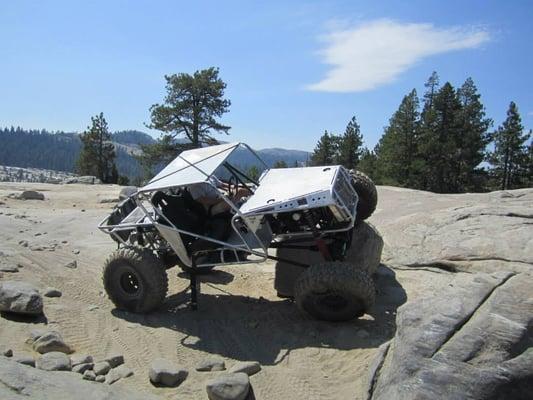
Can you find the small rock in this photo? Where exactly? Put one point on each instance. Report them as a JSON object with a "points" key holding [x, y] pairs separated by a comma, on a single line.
{"points": [[5, 351], [164, 373], [24, 358], [8, 268], [31, 195], [114, 360], [101, 368], [228, 387], [211, 364], [92, 307], [81, 368], [51, 342], [64, 241], [36, 334], [248, 367], [100, 378], [89, 375], [37, 234], [53, 361], [117, 373], [83, 210], [24, 243], [20, 298], [76, 251], [78, 359], [72, 265], [52, 292]]}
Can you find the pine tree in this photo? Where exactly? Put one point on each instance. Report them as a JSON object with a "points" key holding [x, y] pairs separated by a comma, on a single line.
{"points": [[325, 151], [280, 164], [349, 145], [439, 141], [368, 165], [97, 156], [397, 151], [192, 106], [472, 140], [510, 159]]}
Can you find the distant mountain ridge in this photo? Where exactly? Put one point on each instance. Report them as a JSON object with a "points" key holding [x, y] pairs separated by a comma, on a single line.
{"points": [[59, 151]]}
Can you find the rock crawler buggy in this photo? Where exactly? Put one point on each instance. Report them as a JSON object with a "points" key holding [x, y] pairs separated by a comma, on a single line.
{"points": [[156, 228]]}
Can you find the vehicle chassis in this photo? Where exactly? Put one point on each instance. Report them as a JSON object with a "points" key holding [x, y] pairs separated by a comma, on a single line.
{"points": [[251, 231]]}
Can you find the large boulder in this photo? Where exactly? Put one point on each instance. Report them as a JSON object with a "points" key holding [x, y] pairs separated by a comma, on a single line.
{"points": [[31, 195], [474, 340], [364, 252], [481, 232], [20, 298], [19, 381]]}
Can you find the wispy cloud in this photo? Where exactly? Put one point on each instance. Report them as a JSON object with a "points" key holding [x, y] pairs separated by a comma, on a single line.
{"points": [[377, 52]]}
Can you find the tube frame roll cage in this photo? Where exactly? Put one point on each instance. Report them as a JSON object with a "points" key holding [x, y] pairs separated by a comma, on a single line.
{"points": [[146, 217]]}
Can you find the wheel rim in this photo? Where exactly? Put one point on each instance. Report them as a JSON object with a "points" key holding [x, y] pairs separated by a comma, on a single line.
{"points": [[130, 282]]}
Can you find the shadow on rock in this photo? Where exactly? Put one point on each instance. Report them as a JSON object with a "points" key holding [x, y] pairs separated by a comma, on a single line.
{"points": [[245, 328]]}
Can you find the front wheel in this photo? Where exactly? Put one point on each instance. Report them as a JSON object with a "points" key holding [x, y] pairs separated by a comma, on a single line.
{"points": [[135, 280], [334, 291], [368, 195]]}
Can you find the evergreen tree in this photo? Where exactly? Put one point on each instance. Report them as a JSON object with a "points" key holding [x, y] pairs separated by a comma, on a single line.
{"points": [[97, 156], [325, 151], [191, 108], [280, 164], [439, 141], [510, 159], [472, 140], [397, 151], [368, 164], [349, 145]]}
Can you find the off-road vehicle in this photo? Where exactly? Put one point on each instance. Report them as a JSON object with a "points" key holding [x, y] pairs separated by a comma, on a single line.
{"points": [[156, 228]]}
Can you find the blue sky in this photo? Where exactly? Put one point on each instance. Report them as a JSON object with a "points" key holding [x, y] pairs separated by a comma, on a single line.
{"points": [[293, 68]]}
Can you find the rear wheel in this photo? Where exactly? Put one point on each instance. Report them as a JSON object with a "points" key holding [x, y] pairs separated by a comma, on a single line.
{"points": [[368, 195], [334, 291], [135, 280]]}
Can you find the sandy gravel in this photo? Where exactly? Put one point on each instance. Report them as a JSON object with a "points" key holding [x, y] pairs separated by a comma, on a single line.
{"points": [[240, 317]]}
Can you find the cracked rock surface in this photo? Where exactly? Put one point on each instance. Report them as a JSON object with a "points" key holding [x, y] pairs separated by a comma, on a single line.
{"points": [[471, 341], [467, 232]]}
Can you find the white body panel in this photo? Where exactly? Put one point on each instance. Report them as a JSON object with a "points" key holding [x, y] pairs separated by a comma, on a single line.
{"points": [[279, 190], [191, 166]]}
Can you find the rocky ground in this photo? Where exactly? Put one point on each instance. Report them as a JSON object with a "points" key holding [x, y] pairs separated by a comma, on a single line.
{"points": [[434, 244]]}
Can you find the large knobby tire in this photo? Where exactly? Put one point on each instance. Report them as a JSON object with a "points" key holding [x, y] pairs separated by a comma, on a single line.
{"points": [[135, 280], [368, 195], [334, 291]]}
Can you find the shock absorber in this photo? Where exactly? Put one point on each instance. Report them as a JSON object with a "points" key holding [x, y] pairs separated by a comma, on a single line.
{"points": [[319, 241]]}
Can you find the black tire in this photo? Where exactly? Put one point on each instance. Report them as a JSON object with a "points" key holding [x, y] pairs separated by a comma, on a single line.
{"points": [[368, 195], [135, 280], [334, 291]]}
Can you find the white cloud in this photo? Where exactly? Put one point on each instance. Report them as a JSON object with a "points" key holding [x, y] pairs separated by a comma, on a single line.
{"points": [[377, 52]]}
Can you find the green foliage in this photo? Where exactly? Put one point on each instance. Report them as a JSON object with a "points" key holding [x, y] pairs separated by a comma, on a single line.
{"points": [[97, 156], [325, 152], [253, 172], [368, 165], [511, 158], [191, 107], [397, 149], [280, 164], [349, 145]]}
